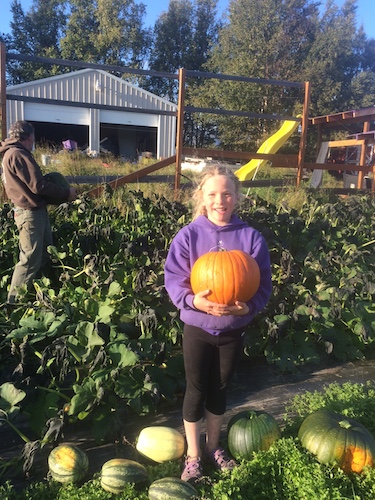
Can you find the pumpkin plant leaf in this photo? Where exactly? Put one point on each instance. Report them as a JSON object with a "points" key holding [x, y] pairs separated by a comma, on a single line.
{"points": [[114, 290], [41, 408], [85, 395], [121, 355], [106, 309], [88, 334], [10, 396]]}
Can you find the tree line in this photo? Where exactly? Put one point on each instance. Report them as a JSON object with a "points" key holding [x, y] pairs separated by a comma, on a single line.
{"points": [[286, 40]]}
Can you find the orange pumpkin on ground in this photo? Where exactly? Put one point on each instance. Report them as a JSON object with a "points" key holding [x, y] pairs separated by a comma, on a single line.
{"points": [[230, 275]]}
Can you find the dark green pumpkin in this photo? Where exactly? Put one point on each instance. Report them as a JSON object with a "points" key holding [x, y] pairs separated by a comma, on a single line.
{"points": [[251, 431], [338, 440], [58, 179], [171, 488]]}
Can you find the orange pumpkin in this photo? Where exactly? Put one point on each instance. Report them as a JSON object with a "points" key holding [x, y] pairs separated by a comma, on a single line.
{"points": [[230, 275]]}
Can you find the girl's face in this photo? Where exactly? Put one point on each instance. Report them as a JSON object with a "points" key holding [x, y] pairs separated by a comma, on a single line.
{"points": [[219, 198]]}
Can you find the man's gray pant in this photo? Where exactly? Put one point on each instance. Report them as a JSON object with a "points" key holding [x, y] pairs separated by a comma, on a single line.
{"points": [[34, 237]]}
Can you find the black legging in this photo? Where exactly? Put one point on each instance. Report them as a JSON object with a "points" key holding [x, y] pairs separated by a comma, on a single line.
{"points": [[210, 362]]}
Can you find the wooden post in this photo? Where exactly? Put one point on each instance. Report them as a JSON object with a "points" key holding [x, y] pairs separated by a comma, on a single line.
{"points": [[362, 158], [3, 91], [180, 127], [305, 122]]}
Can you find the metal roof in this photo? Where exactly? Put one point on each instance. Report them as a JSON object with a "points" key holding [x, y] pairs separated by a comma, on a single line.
{"points": [[91, 86]]}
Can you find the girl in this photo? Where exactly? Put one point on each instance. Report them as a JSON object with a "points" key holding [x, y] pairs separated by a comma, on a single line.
{"points": [[213, 333]]}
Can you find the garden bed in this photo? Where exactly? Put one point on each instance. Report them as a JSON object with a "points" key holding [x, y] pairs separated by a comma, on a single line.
{"points": [[257, 386]]}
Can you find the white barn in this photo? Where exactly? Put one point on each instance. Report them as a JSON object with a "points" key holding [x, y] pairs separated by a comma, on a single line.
{"points": [[95, 109]]}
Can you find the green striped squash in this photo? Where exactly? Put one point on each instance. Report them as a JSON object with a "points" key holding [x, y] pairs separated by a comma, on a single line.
{"points": [[68, 464], [251, 431], [118, 472], [171, 488], [160, 443]]}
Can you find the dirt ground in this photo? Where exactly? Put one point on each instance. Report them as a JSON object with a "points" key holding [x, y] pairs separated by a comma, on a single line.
{"points": [[256, 386]]}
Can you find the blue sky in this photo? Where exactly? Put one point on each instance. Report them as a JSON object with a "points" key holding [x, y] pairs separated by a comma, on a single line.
{"points": [[153, 10], [365, 13]]}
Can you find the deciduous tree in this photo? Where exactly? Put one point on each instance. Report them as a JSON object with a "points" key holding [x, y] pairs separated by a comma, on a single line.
{"points": [[107, 32], [35, 33]]}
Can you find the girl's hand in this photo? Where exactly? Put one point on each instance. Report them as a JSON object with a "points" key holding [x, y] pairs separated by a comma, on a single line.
{"points": [[201, 302], [239, 308]]}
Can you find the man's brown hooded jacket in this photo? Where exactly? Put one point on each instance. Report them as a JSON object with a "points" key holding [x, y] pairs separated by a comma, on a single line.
{"points": [[23, 179]]}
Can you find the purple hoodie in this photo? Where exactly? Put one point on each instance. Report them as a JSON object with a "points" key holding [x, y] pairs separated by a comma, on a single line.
{"points": [[198, 238]]}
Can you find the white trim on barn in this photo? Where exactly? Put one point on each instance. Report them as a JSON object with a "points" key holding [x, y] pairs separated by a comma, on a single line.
{"points": [[94, 98]]}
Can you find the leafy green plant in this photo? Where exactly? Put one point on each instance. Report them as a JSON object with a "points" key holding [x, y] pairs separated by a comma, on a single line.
{"points": [[286, 472], [350, 399], [323, 275], [99, 339]]}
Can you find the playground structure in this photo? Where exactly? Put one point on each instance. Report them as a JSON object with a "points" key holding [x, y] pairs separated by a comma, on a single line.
{"points": [[345, 152], [352, 157], [267, 153]]}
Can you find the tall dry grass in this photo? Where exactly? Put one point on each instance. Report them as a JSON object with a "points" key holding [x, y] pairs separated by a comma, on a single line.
{"points": [[105, 167]]}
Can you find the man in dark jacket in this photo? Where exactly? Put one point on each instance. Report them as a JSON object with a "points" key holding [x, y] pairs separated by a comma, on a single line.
{"points": [[28, 190]]}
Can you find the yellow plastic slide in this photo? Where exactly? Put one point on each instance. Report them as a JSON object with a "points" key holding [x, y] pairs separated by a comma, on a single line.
{"points": [[269, 146]]}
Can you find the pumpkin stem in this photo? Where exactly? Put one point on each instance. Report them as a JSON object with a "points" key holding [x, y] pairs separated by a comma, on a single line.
{"points": [[220, 247], [345, 424]]}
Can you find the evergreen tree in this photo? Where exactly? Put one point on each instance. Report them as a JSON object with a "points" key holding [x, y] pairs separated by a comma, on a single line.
{"points": [[183, 37], [362, 89], [103, 31], [5, 38], [78, 42], [335, 59], [369, 55], [267, 39]]}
